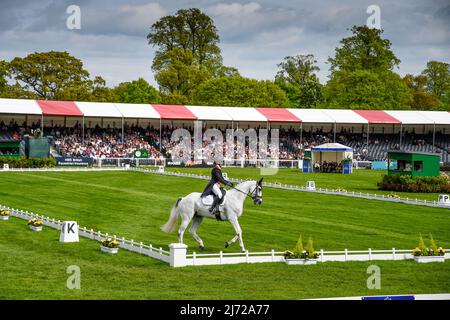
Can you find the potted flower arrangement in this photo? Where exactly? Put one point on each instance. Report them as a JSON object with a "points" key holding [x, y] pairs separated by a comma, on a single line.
{"points": [[301, 255], [110, 246], [424, 254], [4, 214], [35, 224]]}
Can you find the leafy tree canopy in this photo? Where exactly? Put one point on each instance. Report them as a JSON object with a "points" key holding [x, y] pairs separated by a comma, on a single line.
{"points": [[239, 91]]}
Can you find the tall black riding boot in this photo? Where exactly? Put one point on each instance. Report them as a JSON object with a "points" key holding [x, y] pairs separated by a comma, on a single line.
{"points": [[214, 205]]}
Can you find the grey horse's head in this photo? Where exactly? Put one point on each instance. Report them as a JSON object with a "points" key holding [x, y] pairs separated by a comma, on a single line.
{"points": [[257, 193]]}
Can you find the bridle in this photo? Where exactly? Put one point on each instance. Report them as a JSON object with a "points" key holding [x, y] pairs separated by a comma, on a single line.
{"points": [[251, 194]]}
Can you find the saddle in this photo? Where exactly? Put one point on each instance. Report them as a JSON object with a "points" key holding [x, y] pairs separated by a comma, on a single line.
{"points": [[209, 199]]}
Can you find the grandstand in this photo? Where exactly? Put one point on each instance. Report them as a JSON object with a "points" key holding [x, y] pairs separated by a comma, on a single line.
{"points": [[115, 130]]}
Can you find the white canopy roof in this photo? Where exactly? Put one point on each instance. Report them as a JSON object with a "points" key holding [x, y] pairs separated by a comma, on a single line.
{"points": [[344, 116], [438, 117], [311, 115], [409, 117], [140, 111], [244, 114], [331, 147], [99, 109], [210, 113], [19, 106]]}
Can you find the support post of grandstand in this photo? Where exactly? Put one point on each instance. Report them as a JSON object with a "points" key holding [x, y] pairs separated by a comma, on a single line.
{"points": [[82, 131], [368, 132], [123, 130], [334, 132], [434, 134], [160, 134]]}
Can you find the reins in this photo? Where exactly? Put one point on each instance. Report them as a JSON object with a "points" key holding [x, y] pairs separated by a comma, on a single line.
{"points": [[246, 193]]}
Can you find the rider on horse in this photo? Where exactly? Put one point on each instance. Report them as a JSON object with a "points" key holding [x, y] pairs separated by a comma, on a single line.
{"points": [[214, 186]]}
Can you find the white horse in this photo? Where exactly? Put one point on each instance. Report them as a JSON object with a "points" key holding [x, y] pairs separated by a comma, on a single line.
{"points": [[192, 208]]}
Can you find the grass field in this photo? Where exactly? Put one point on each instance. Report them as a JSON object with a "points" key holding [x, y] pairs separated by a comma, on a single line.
{"points": [[135, 205]]}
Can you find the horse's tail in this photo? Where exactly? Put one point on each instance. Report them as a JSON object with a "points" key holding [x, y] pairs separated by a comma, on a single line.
{"points": [[173, 219]]}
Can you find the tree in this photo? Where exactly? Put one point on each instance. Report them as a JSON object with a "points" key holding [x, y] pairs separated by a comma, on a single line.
{"points": [[362, 76], [363, 89], [437, 78], [13, 91], [421, 99], [365, 50], [239, 91], [296, 77], [190, 30], [3, 75], [177, 74], [52, 76], [137, 91], [187, 53]]}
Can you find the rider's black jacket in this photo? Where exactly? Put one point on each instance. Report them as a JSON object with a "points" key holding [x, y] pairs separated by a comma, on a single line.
{"points": [[216, 176]]}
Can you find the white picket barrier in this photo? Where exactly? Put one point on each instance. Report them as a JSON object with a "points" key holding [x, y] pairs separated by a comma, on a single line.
{"points": [[129, 245]]}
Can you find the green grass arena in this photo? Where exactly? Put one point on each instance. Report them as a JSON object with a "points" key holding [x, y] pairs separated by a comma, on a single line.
{"points": [[135, 205]]}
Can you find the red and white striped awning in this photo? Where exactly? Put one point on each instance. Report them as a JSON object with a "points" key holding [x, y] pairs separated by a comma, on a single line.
{"points": [[210, 113], [278, 115], [409, 117], [137, 111], [377, 117], [19, 106], [237, 114], [59, 108], [171, 112], [99, 109]]}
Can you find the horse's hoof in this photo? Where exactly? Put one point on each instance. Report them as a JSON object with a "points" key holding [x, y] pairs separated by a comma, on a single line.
{"points": [[202, 248], [227, 244]]}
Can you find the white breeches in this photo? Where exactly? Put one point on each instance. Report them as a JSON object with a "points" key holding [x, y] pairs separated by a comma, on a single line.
{"points": [[216, 190]]}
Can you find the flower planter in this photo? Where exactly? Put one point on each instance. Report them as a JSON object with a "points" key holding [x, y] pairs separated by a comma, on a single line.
{"points": [[109, 250], [35, 228], [300, 261], [427, 259], [4, 217]]}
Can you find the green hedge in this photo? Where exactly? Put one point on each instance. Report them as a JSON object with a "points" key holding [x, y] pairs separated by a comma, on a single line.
{"points": [[406, 183], [28, 163]]}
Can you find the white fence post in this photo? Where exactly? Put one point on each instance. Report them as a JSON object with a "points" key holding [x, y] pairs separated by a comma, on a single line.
{"points": [[393, 253], [178, 255], [346, 254], [370, 254]]}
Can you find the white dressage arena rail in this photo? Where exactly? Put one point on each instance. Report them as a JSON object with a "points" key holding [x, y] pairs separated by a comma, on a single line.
{"points": [[178, 257], [130, 245]]}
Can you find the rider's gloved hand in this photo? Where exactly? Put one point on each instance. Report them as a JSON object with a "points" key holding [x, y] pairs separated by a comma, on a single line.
{"points": [[230, 184]]}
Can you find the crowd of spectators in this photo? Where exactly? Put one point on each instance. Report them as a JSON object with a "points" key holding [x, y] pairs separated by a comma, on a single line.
{"points": [[109, 143]]}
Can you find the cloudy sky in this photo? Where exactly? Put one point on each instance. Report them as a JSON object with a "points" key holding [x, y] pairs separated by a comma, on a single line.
{"points": [[255, 35]]}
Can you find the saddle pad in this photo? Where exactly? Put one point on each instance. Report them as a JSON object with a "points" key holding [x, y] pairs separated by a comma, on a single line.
{"points": [[208, 200]]}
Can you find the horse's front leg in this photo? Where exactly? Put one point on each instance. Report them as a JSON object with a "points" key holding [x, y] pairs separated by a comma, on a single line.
{"points": [[234, 222]]}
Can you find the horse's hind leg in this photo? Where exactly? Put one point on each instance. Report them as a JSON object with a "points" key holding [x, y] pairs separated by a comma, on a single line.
{"points": [[196, 221], [232, 241], [182, 229]]}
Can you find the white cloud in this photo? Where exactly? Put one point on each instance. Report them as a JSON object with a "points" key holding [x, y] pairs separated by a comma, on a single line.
{"points": [[137, 18], [234, 10]]}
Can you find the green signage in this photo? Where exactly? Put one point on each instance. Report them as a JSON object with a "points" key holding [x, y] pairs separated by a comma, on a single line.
{"points": [[141, 153]]}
